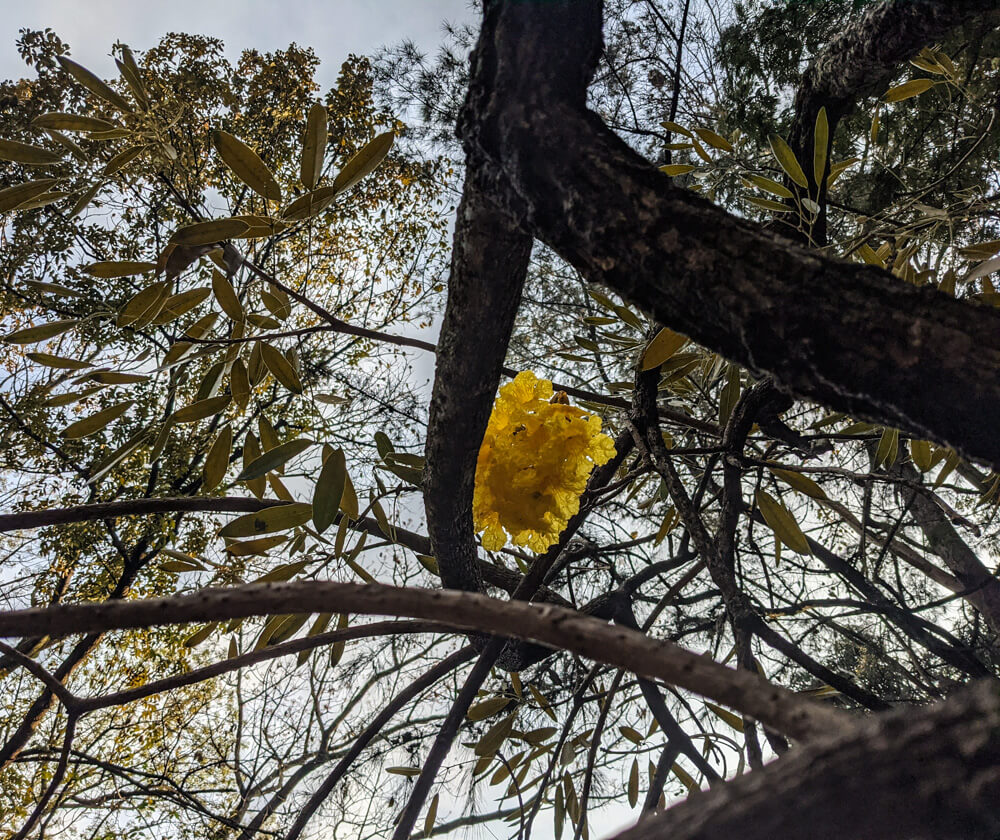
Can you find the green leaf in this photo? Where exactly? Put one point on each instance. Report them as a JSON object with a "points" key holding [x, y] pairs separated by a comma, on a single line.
{"points": [[716, 141], [23, 153], [181, 304], [797, 481], [208, 233], [308, 205], [487, 708], [908, 90], [268, 520], [280, 367], [144, 306], [71, 122], [122, 159], [133, 77], [769, 185], [58, 362], [201, 409], [786, 160], [51, 288], [631, 734], [664, 344], [119, 268], [495, 736], [217, 460], [329, 490], [274, 458], [733, 720], [633, 784], [94, 84], [920, 452], [780, 520], [13, 197], [767, 204], [313, 146], [821, 140], [673, 169], [31, 335], [364, 162], [96, 422], [888, 447], [226, 295], [246, 165]]}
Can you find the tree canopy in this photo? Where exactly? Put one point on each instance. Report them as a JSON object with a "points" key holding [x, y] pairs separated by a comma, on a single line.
{"points": [[694, 532]]}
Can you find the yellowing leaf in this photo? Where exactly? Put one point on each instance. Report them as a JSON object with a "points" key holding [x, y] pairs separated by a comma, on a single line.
{"points": [[888, 447], [716, 141], [217, 460], [364, 162], [31, 335], [119, 268], [23, 153], [94, 84], [13, 197], [673, 169], [71, 122], [821, 139], [672, 126], [780, 520], [121, 160], [201, 409], [280, 367], [96, 422], [313, 146], [786, 160], [144, 306], [664, 344], [207, 233], [274, 458], [268, 520], [920, 452], [733, 720], [431, 815], [909, 89], [58, 362], [771, 186], [329, 490], [225, 294], [797, 481], [308, 205], [246, 165]]}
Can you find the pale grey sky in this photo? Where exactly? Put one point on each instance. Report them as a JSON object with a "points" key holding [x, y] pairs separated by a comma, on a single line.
{"points": [[333, 28]]}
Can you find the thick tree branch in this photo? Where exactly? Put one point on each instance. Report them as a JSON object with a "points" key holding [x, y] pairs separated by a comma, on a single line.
{"points": [[825, 329], [556, 627]]}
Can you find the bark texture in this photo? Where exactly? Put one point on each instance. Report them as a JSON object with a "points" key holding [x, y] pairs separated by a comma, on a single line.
{"points": [[927, 774], [849, 336]]}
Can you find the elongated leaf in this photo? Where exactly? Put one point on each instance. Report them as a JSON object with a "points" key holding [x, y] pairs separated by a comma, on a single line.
{"points": [[217, 460], [733, 720], [495, 736], [673, 169], [43, 200], [274, 458], [17, 152], [769, 185], [207, 233], [780, 520], [313, 146], [94, 84], [800, 482], [308, 205], [13, 197], [122, 159], [920, 452], [364, 162], [431, 815], [888, 448], [821, 140], [226, 295], [664, 344], [716, 141], [633, 784], [181, 304], [144, 306], [96, 422], [786, 160], [133, 77], [120, 268], [329, 490], [51, 288], [768, 204], [487, 708], [268, 520], [246, 165], [31, 335], [71, 122], [58, 362], [201, 409], [908, 90], [280, 367]]}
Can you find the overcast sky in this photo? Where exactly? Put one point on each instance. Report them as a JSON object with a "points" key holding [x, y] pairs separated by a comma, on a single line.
{"points": [[333, 28]]}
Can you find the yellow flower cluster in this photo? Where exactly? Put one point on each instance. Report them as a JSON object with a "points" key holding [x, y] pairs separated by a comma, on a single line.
{"points": [[533, 465]]}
